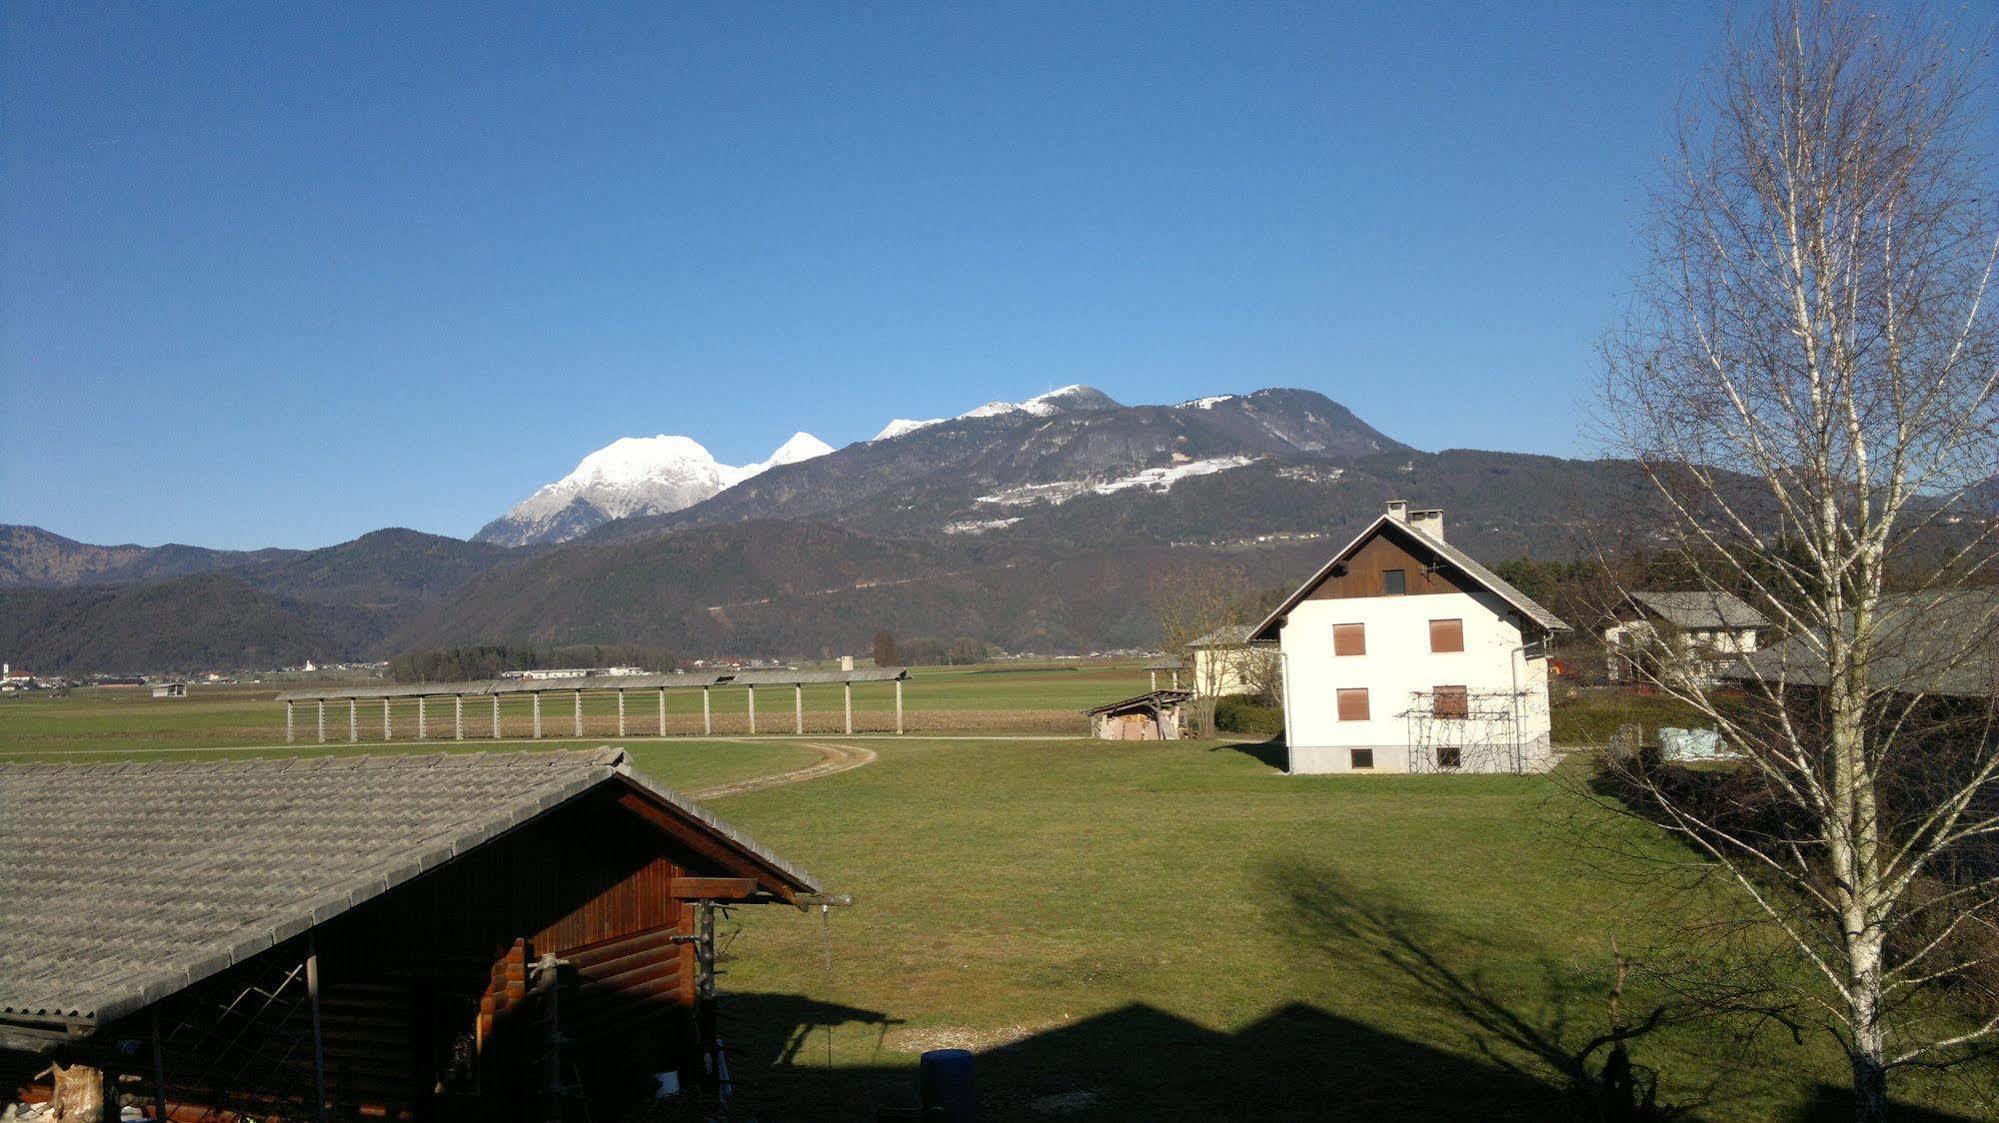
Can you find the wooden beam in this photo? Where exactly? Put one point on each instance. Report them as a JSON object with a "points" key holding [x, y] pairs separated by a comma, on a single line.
{"points": [[713, 888]]}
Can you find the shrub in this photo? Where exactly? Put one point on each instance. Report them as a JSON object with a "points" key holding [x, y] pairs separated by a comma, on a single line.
{"points": [[1240, 714]]}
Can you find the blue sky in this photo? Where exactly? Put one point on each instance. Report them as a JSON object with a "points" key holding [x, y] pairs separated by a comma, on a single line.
{"points": [[281, 274]]}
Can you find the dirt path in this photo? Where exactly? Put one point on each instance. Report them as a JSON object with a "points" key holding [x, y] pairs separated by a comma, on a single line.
{"points": [[832, 759]]}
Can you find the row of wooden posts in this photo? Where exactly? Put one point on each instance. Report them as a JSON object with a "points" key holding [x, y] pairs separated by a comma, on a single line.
{"points": [[458, 713]]}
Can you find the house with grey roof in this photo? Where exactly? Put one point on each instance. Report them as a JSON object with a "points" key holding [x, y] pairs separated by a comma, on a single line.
{"points": [[1403, 653], [454, 936], [1225, 662], [1688, 633]]}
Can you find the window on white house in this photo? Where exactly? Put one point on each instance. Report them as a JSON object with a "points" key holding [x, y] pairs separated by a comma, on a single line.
{"points": [[1349, 639]]}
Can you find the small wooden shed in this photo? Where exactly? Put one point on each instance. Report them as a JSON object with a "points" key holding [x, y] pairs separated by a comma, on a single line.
{"points": [[445, 937], [1156, 715]]}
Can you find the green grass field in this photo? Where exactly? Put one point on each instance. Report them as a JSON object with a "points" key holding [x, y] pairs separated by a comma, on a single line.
{"points": [[1177, 931], [1129, 931], [1044, 698]]}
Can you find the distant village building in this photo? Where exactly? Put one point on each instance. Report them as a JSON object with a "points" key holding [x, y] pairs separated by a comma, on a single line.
{"points": [[1157, 715], [490, 936], [575, 672], [1404, 654], [1694, 632], [169, 690], [11, 679]]}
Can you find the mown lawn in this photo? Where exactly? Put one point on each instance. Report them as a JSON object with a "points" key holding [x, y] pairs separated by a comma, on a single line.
{"points": [[1179, 932], [998, 698]]}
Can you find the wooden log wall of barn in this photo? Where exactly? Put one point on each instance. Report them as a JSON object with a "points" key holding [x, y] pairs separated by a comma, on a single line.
{"points": [[428, 984]]}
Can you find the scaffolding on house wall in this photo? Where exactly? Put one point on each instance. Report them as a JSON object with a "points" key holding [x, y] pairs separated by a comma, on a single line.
{"points": [[1482, 735]]}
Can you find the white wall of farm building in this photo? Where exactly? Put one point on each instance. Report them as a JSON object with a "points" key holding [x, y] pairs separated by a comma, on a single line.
{"points": [[1397, 669]]}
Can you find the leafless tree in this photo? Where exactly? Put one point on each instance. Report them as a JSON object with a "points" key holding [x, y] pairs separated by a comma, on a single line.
{"points": [[1808, 381], [1190, 604]]}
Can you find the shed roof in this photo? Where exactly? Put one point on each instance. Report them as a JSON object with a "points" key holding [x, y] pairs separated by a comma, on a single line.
{"points": [[1944, 642], [1445, 552], [1150, 700], [1700, 608], [123, 883]]}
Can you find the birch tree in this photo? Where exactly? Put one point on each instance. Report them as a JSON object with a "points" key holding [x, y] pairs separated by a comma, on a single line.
{"points": [[1808, 381]]}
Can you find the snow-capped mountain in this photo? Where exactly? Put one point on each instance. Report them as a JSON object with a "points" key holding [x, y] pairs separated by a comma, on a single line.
{"points": [[1069, 399], [633, 476]]}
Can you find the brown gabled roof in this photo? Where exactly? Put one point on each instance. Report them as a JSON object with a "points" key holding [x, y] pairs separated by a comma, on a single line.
{"points": [[123, 883], [1445, 553]]}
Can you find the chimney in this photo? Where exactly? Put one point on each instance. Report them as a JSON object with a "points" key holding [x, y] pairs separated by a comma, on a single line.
{"points": [[1430, 522], [1398, 509]]}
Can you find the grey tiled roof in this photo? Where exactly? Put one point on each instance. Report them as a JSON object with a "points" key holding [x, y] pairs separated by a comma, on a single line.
{"points": [[1229, 635], [1701, 609], [122, 883], [1151, 699], [1944, 643]]}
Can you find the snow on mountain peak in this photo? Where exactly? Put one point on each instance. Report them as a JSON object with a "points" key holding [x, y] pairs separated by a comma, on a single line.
{"points": [[903, 425], [1066, 399], [800, 448], [633, 476]]}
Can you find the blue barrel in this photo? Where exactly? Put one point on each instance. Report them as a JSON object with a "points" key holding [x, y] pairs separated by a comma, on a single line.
{"points": [[944, 1078]]}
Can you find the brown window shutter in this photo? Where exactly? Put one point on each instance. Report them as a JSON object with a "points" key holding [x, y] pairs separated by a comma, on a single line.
{"points": [[1353, 704], [1349, 639], [1449, 701], [1447, 635]]}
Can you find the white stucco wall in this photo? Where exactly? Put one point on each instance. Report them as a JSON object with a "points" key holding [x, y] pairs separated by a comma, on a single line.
{"points": [[1218, 671], [1398, 665]]}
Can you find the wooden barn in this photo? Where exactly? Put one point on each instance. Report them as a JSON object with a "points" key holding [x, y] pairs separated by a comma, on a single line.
{"points": [[444, 937], [1156, 715]]}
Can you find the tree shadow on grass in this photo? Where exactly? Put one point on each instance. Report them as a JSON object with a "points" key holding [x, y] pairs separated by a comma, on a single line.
{"points": [[1565, 1035], [1272, 753], [1567, 1038], [1140, 1062]]}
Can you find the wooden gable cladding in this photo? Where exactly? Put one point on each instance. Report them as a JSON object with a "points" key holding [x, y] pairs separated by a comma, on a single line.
{"points": [[1362, 573]]}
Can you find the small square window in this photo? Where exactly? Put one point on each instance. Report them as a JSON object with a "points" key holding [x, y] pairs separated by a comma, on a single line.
{"points": [[1360, 758], [1353, 704], [1349, 639], [1450, 758], [1394, 582], [1447, 635]]}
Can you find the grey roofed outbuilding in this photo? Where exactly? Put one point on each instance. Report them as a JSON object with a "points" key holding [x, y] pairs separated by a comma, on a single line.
{"points": [[1463, 562], [1942, 643], [1228, 635], [125, 882], [1150, 700], [1700, 609], [335, 692]]}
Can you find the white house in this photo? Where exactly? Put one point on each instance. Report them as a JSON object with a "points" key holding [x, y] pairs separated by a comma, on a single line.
{"points": [[1404, 654], [1691, 632]]}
